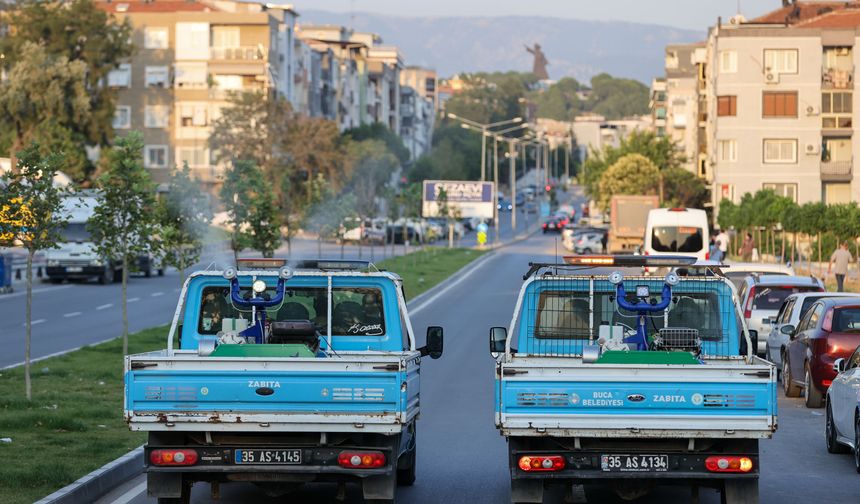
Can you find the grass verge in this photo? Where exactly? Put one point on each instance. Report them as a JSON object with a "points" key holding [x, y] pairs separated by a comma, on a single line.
{"points": [[74, 423], [426, 268]]}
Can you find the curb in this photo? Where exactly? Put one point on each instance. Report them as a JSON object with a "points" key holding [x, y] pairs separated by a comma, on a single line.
{"points": [[103, 480], [98, 483]]}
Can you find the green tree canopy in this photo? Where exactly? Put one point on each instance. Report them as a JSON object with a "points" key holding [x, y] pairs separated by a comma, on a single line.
{"points": [[183, 214], [379, 131], [631, 174], [251, 209]]}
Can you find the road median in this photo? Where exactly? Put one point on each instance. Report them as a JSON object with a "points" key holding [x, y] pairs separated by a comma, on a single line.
{"points": [[74, 422]]}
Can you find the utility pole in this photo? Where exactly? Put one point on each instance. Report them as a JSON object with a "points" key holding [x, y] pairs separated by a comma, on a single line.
{"points": [[483, 154], [496, 206], [525, 170], [512, 156]]}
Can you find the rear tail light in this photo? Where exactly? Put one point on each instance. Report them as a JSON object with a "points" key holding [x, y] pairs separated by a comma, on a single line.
{"points": [[826, 383], [173, 457], [361, 459], [729, 464], [707, 255], [748, 307], [677, 209], [541, 463]]}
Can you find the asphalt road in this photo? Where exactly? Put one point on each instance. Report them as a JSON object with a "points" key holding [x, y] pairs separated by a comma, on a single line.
{"points": [[462, 458], [71, 315]]}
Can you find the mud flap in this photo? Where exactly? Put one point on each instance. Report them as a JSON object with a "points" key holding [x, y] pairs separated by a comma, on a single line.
{"points": [[164, 484], [380, 487], [526, 490], [740, 491]]}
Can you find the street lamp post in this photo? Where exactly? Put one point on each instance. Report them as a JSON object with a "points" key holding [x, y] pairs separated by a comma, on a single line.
{"points": [[485, 128]]}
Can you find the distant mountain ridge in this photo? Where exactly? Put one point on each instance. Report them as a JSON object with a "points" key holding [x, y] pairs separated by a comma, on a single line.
{"points": [[574, 48]]}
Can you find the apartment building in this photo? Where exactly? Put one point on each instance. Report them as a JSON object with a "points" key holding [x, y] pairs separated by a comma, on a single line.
{"points": [[422, 80], [657, 106], [782, 106], [190, 55], [684, 66]]}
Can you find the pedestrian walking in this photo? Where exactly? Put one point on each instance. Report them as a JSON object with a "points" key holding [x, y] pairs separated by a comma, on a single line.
{"points": [[747, 247], [839, 265], [714, 251], [723, 244]]}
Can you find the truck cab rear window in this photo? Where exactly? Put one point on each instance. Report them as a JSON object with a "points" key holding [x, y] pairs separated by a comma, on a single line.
{"points": [[356, 311]]}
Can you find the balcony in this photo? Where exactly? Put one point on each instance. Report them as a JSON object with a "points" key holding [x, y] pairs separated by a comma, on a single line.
{"points": [[236, 53], [837, 171], [837, 78]]}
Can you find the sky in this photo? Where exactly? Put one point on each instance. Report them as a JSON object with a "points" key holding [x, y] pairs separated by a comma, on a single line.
{"points": [[691, 14]]}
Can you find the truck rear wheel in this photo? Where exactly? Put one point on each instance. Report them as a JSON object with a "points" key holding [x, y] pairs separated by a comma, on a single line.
{"points": [[740, 492]]}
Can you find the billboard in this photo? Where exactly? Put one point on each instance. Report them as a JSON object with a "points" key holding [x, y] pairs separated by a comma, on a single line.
{"points": [[466, 198]]}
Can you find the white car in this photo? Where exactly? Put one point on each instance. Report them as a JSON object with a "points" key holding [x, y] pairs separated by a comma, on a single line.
{"points": [[588, 243], [842, 424], [790, 313], [737, 271]]}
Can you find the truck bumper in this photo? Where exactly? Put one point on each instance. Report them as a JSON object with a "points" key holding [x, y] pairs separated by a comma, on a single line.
{"points": [[74, 271]]}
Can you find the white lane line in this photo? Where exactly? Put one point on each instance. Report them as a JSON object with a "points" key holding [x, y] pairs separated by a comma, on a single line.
{"points": [[35, 322], [132, 300], [475, 267], [156, 294], [71, 314], [23, 291], [132, 494], [104, 306]]}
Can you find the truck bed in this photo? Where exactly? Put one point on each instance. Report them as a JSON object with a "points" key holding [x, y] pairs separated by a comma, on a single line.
{"points": [[372, 392], [563, 397]]}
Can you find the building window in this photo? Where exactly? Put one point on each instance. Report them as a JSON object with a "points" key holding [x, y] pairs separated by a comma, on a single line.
{"points": [[156, 76], [728, 62], [780, 61], [727, 151], [191, 115], [122, 117], [156, 116], [780, 151], [225, 36], [121, 76], [727, 105], [786, 190], [836, 110], [155, 37], [196, 157], [190, 75], [779, 104], [192, 41], [155, 156]]}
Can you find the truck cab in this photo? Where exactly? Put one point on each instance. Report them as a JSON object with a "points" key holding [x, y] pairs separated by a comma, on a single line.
{"points": [[605, 375], [281, 375]]}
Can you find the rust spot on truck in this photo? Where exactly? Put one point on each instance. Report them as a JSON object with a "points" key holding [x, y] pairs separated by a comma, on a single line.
{"points": [[161, 418]]}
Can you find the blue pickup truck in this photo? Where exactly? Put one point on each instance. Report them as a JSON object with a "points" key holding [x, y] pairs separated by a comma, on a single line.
{"points": [[608, 376], [282, 375]]}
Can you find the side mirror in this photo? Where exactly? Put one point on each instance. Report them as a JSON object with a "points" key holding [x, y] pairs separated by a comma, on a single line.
{"points": [[498, 336], [787, 329], [839, 365], [435, 343], [753, 340]]}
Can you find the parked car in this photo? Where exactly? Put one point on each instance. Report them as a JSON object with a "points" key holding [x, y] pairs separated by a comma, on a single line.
{"points": [[763, 295], [842, 421], [552, 225], [588, 243], [355, 230], [736, 272], [790, 313], [829, 330]]}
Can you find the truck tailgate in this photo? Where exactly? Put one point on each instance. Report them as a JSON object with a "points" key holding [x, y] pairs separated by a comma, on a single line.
{"points": [[181, 392], [553, 397]]}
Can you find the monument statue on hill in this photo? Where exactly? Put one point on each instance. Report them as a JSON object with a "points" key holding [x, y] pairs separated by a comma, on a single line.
{"points": [[540, 62]]}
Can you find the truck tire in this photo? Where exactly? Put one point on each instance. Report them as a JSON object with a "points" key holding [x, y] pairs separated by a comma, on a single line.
{"points": [[117, 275], [740, 491], [833, 446], [148, 272], [788, 386], [103, 278], [811, 394], [406, 463], [160, 271]]}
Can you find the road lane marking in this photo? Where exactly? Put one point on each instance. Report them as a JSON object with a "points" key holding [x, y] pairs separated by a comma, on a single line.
{"points": [[156, 294], [132, 494], [34, 322], [35, 291], [475, 267], [132, 300], [71, 314], [104, 306]]}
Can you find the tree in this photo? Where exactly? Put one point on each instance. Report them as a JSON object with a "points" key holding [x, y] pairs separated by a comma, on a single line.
{"points": [[378, 131], [251, 209], [183, 216], [32, 209], [617, 98], [80, 33], [42, 100], [682, 188], [122, 222], [631, 174]]}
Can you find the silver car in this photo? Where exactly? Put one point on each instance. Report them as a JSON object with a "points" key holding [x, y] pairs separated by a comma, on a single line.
{"points": [[762, 296], [790, 312]]}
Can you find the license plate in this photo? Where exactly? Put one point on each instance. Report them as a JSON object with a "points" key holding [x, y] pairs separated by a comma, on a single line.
{"points": [[268, 456], [74, 269], [634, 463]]}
